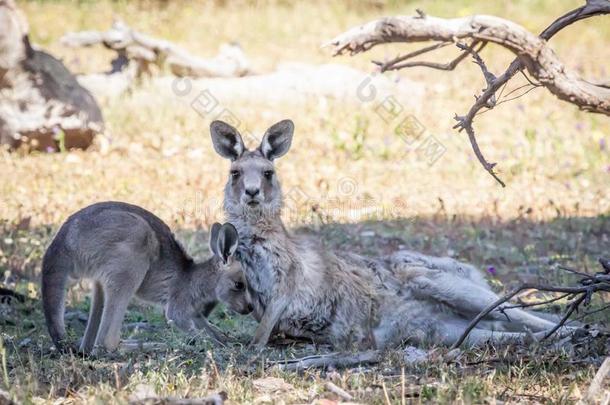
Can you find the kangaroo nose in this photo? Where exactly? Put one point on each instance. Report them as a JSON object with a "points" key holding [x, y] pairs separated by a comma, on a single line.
{"points": [[252, 192], [250, 308]]}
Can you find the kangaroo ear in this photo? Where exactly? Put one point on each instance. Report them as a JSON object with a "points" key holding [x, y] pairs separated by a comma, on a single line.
{"points": [[227, 242], [214, 231], [226, 140], [277, 140]]}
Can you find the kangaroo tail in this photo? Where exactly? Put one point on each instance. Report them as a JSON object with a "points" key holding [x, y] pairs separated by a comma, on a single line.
{"points": [[55, 270]]}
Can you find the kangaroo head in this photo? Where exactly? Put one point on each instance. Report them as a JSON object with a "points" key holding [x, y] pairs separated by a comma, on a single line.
{"points": [[252, 187], [231, 287]]}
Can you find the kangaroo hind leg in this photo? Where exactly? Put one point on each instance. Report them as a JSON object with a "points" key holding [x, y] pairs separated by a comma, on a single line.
{"points": [[56, 267], [450, 331], [119, 287], [95, 317], [469, 299]]}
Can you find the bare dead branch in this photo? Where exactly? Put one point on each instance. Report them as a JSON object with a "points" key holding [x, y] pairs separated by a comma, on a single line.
{"points": [[589, 313], [572, 307], [538, 303], [385, 66], [464, 123], [588, 286], [439, 66], [517, 89], [532, 53], [506, 100], [394, 64], [529, 80], [489, 77]]}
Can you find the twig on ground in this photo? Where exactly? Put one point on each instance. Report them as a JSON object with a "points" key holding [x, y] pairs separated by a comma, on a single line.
{"points": [[216, 399], [336, 360], [340, 392], [385, 393], [133, 345], [572, 307], [597, 383]]}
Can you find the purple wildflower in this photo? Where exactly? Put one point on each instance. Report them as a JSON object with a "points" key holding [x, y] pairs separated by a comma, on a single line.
{"points": [[492, 270]]}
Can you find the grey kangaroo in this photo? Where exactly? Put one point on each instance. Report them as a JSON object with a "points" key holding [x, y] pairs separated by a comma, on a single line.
{"points": [[304, 290], [126, 251]]}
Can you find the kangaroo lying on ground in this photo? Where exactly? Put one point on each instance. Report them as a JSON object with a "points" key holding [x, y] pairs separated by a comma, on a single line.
{"points": [[126, 251], [304, 290]]}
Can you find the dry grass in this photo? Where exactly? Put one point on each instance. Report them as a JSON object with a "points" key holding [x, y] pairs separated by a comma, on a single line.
{"points": [[553, 158]]}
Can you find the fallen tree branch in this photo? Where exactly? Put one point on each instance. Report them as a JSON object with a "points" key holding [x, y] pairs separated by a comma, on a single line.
{"points": [[145, 50], [340, 392], [532, 52], [216, 399], [589, 284], [336, 360], [598, 381]]}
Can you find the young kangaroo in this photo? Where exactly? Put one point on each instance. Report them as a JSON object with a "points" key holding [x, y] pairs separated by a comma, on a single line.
{"points": [[304, 290], [126, 251]]}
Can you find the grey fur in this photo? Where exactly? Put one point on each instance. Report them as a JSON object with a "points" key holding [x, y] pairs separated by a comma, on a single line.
{"points": [[304, 290], [126, 251]]}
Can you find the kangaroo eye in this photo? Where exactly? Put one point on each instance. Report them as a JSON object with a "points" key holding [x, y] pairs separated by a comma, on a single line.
{"points": [[268, 174], [235, 174], [239, 285]]}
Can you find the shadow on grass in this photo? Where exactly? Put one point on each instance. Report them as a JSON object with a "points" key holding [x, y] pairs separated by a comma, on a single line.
{"points": [[510, 252]]}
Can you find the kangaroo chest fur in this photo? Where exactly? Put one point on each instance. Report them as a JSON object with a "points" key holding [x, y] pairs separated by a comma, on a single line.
{"points": [[275, 269], [329, 299]]}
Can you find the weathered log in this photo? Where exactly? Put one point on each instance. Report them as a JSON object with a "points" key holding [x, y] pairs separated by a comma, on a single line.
{"points": [[41, 103], [144, 50]]}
